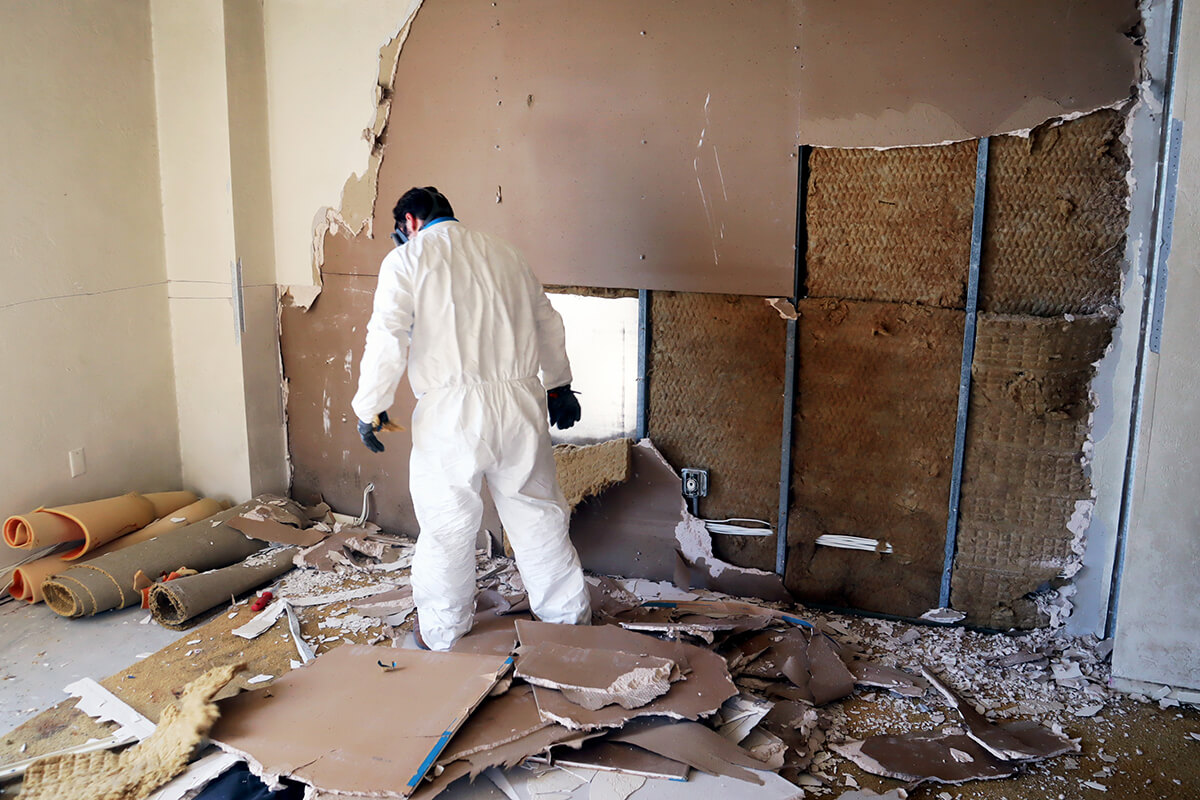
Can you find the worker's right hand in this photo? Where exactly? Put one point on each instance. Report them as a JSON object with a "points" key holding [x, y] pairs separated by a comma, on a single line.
{"points": [[367, 430]]}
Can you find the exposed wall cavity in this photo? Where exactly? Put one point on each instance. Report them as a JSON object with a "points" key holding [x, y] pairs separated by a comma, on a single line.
{"points": [[716, 402], [878, 381]]}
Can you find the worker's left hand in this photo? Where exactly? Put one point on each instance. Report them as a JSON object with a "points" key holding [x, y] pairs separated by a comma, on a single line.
{"points": [[367, 430], [563, 407]]}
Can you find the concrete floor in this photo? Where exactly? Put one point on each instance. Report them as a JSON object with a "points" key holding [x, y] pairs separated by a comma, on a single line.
{"points": [[44, 652]]}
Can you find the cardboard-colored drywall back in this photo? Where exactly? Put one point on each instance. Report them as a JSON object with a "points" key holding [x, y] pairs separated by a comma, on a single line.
{"points": [[716, 402], [876, 74], [874, 439], [630, 529], [561, 124], [1025, 493], [891, 225], [1055, 218], [321, 350]]}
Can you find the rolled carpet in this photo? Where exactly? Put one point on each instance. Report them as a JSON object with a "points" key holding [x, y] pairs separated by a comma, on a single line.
{"points": [[95, 523], [174, 603], [106, 582], [27, 579]]}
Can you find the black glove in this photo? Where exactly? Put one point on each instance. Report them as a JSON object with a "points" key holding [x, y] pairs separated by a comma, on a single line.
{"points": [[563, 407], [366, 432]]}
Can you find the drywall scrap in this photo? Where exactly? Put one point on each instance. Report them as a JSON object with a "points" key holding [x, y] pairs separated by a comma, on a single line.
{"points": [[587, 470], [424, 698], [142, 768], [698, 693], [873, 451], [732, 428], [592, 679], [107, 581], [93, 524], [1026, 495], [642, 529]]}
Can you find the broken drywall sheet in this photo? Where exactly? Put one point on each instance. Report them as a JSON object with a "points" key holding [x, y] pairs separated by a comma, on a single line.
{"points": [[1020, 64], [433, 692], [700, 691], [624, 758], [637, 528], [944, 758], [498, 720], [594, 679], [694, 744], [357, 203], [142, 768], [1021, 740]]}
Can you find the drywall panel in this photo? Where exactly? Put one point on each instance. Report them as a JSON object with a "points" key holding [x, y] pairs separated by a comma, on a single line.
{"points": [[877, 395], [322, 348], [1158, 622], [608, 141], [716, 403], [1055, 218], [322, 68], [84, 314], [1026, 499], [878, 75], [891, 225]]}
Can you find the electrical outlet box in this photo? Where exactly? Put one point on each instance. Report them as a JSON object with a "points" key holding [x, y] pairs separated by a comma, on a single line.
{"points": [[695, 482], [77, 461]]}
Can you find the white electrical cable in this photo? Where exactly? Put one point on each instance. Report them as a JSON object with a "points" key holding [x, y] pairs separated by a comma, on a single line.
{"points": [[726, 526], [854, 543]]}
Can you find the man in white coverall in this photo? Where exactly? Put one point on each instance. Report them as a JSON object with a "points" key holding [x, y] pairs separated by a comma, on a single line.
{"points": [[473, 323]]}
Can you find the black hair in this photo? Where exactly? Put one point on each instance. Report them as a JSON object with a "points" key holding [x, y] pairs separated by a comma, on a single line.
{"points": [[424, 203]]}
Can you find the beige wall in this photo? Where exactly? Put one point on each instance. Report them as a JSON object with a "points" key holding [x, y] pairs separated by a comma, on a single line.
{"points": [[1158, 622], [83, 317], [322, 66]]}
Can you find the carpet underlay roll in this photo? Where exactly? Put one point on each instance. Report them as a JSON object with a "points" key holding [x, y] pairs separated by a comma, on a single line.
{"points": [[106, 582], [93, 524], [27, 579], [175, 603]]}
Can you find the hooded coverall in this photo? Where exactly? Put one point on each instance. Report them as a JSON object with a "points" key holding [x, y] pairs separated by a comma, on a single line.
{"points": [[474, 326]]}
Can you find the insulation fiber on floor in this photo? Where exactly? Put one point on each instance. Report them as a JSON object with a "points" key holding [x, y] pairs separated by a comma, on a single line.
{"points": [[891, 225], [874, 428], [1026, 498], [716, 402], [1055, 218]]}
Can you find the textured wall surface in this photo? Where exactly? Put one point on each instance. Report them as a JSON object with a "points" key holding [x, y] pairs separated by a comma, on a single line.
{"points": [[891, 225], [716, 402], [874, 439], [1023, 476], [1054, 226]]}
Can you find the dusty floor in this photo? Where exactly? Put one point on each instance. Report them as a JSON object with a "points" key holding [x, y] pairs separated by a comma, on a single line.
{"points": [[1129, 748]]}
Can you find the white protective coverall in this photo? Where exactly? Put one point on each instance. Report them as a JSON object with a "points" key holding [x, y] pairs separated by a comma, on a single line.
{"points": [[473, 323]]}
